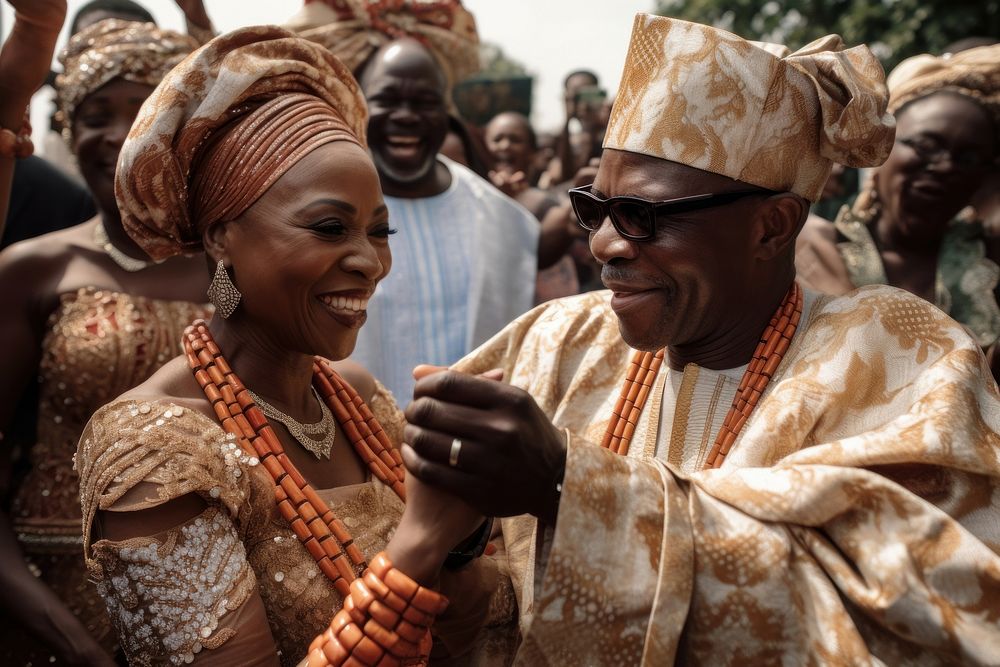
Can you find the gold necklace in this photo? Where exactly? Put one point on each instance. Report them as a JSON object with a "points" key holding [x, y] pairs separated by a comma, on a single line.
{"points": [[130, 264], [316, 438]]}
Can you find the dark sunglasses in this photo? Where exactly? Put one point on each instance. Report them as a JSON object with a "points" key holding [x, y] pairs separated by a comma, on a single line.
{"points": [[635, 218]]}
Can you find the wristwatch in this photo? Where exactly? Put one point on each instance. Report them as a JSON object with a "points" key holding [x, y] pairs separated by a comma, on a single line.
{"points": [[470, 548]]}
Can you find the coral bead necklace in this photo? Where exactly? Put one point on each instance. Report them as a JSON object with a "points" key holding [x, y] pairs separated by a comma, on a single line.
{"points": [[767, 357], [316, 526]]}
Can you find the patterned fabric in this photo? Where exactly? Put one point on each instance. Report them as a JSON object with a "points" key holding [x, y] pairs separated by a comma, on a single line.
{"points": [[706, 98], [256, 149], [974, 73], [853, 522], [354, 29], [112, 49], [204, 549], [136, 455], [227, 79], [98, 345], [463, 266], [168, 451]]}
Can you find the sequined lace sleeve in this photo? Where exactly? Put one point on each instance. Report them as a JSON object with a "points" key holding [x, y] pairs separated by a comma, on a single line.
{"points": [[172, 594], [389, 414]]}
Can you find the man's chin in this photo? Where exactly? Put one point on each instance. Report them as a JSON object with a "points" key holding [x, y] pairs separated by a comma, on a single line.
{"points": [[404, 174], [644, 336]]}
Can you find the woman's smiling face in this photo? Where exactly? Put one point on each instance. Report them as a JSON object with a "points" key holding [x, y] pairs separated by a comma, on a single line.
{"points": [[308, 254]]}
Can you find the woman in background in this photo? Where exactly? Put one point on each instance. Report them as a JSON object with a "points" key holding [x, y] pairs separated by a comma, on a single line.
{"points": [[909, 227], [87, 316]]}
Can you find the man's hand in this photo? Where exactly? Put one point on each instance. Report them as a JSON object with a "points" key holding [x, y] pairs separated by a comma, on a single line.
{"points": [[511, 455]]}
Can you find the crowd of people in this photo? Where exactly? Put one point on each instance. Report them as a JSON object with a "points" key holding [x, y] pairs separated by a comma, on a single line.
{"points": [[300, 367]]}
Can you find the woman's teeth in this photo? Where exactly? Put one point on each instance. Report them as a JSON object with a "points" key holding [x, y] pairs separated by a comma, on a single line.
{"points": [[345, 303]]}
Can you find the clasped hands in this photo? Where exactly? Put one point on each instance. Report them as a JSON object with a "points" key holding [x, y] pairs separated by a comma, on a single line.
{"points": [[509, 460]]}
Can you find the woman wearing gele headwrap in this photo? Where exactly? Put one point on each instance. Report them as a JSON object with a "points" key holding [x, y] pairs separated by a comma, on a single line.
{"points": [[86, 317], [232, 498], [354, 30], [911, 226]]}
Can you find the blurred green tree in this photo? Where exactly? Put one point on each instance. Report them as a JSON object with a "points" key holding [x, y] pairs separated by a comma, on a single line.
{"points": [[494, 62], [894, 29]]}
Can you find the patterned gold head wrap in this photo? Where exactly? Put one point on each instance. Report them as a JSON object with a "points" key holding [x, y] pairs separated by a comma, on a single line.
{"points": [[354, 29], [706, 98], [110, 49], [974, 73], [223, 126]]}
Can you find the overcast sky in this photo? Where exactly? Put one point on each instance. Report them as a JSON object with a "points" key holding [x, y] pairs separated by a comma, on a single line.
{"points": [[551, 37]]}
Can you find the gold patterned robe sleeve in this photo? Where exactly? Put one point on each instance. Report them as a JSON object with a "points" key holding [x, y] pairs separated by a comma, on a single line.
{"points": [[189, 588], [855, 522]]}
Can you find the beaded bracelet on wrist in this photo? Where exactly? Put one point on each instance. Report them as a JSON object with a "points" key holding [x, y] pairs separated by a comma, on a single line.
{"points": [[385, 621]]}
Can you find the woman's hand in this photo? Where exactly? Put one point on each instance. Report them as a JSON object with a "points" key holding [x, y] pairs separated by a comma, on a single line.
{"points": [[433, 522], [46, 15]]}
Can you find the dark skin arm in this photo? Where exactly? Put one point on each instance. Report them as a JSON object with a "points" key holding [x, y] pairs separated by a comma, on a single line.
{"points": [[24, 64], [565, 161], [558, 223], [195, 14], [511, 457], [27, 598], [434, 520], [559, 230]]}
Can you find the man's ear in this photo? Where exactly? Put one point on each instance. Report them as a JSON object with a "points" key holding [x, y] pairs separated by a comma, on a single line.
{"points": [[779, 221]]}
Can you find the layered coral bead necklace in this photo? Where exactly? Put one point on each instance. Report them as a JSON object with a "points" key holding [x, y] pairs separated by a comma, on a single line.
{"points": [[313, 522], [641, 377]]}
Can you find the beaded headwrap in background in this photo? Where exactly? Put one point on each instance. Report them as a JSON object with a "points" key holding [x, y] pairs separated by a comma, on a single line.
{"points": [[974, 73], [110, 49], [354, 29]]}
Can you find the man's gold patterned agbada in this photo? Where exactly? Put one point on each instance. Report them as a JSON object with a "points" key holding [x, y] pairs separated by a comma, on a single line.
{"points": [[853, 522]]}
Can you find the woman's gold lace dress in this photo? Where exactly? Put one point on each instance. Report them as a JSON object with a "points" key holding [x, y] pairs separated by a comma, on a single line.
{"points": [[98, 345], [182, 591]]}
